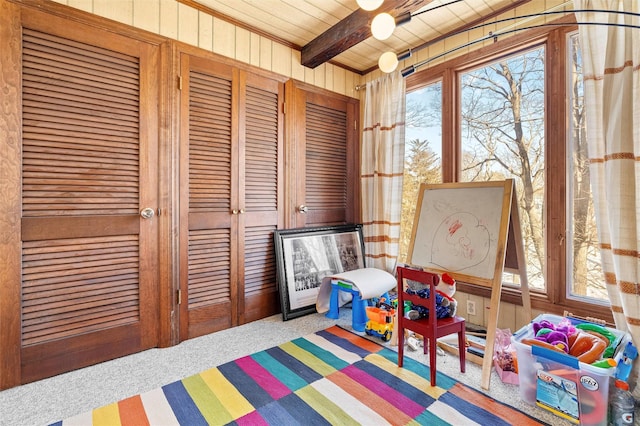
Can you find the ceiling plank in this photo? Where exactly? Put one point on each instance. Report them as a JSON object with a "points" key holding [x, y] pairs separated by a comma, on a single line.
{"points": [[482, 19], [194, 4], [350, 31]]}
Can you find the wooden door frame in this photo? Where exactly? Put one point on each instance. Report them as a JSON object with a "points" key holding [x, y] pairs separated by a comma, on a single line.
{"points": [[10, 195], [168, 190]]}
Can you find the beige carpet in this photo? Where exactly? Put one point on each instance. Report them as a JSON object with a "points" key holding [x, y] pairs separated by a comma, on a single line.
{"points": [[63, 396]]}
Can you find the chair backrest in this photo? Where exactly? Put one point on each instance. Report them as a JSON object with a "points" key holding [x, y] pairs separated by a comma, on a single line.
{"points": [[426, 279]]}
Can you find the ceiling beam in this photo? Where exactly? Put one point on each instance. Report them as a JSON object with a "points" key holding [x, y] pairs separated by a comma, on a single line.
{"points": [[351, 30]]}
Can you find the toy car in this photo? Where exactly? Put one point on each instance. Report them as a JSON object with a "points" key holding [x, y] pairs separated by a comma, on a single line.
{"points": [[380, 323]]}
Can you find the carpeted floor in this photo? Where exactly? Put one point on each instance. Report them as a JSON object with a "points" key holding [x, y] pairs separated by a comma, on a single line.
{"points": [[80, 391], [331, 377]]}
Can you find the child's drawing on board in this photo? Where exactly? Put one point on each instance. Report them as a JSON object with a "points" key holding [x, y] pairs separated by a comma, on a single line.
{"points": [[460, 242]]}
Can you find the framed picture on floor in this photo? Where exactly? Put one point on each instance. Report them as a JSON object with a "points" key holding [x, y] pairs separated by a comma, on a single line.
{"points": [[304, 256]]}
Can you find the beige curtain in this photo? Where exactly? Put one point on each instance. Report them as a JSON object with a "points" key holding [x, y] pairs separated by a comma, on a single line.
{"points": [[382, 164], [611, 56]]}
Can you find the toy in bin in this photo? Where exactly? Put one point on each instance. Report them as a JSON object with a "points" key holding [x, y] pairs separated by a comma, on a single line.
{"points": [[380, 323], [565, 366]]}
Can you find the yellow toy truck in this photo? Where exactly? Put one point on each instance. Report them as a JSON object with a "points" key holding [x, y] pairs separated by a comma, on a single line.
{"points": [[380, 323]]}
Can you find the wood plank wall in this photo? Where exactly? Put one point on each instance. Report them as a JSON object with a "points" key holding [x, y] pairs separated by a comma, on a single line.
{"points": [[186, 24]]}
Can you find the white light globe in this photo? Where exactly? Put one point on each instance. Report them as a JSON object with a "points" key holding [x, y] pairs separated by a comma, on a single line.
{"points": [[369, 4], [388, 62], [382, 26]]}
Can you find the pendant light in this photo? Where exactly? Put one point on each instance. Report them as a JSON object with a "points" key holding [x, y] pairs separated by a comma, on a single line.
{"points": [[369, 4], [382, 26], [388, 62]]}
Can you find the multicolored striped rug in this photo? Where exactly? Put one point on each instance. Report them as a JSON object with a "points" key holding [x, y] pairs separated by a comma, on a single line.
{"points": [[330, 377]]}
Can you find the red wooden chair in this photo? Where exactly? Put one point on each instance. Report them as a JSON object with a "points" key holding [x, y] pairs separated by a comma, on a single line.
{"points": [[430, 328]]}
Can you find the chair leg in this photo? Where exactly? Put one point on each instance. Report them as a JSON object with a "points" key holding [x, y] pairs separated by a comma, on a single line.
{"points": [[462, 350], [432, 360], [400, 346]]}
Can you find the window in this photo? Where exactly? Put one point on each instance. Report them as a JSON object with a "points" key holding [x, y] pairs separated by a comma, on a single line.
{"points": [[507, 108], [423, 153], [583, 257], [502, 136]]}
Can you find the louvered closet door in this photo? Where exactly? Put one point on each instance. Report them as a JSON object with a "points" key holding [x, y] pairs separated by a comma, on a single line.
{"points": [[230, 169], [89, 262], [260, 196], [209, 184], [327, 168], [326, 164]]}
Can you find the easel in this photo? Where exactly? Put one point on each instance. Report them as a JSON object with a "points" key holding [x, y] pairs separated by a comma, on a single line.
{"points": [[488, 200]]}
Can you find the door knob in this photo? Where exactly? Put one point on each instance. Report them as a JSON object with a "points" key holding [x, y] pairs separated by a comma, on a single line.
{"points": [[147, 213], [302, 208]]}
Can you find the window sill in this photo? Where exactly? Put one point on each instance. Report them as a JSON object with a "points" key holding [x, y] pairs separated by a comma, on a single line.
{"points": [[542, 303]]}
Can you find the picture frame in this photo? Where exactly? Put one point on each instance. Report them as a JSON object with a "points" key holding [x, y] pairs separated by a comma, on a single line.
{"points": [[304, 256]]}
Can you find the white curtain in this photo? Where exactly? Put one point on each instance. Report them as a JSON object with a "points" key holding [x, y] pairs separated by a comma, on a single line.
{"points": [[382, 165], [611, 56]]}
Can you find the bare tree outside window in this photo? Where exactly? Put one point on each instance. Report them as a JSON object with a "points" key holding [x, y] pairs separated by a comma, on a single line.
{"points": [[422, 153], [502, 136]]}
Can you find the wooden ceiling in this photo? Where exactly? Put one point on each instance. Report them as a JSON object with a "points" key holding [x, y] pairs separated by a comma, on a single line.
{"points": [[338, 31]]}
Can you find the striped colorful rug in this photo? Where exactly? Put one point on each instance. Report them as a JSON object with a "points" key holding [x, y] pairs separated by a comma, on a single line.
{"points": [[330, 377]]}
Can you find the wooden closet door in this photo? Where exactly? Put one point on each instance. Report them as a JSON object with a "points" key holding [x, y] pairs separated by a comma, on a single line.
{"points": [[89, 289], [261, 194], [323, 151], [208, 200], [231, 168]]}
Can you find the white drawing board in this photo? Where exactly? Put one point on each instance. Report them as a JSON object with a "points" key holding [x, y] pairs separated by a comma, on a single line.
{"points": [[461, 228]]}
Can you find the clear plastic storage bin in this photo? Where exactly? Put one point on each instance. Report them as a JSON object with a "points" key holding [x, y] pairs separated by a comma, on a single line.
{"points": [[559, 382]]}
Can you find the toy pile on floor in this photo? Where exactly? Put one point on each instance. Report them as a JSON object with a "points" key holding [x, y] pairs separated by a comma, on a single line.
{"points": [[380, 311]]}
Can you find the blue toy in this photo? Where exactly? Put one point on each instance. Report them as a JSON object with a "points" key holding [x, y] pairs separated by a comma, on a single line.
{"points": [[444, 308], [358, 305], [626, 362]]}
